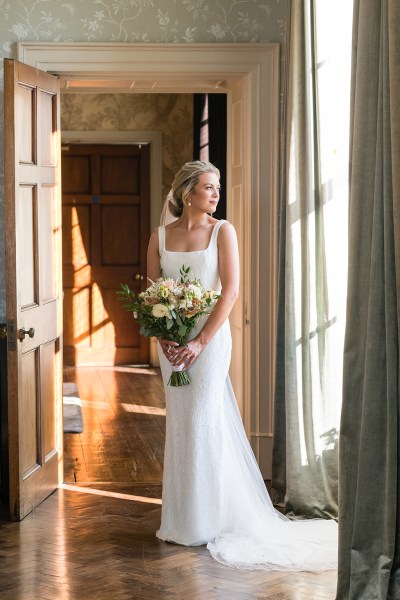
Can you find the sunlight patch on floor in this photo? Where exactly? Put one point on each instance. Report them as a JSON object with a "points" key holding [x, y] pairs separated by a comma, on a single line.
{"points": [[146, 410], [86, 490]]}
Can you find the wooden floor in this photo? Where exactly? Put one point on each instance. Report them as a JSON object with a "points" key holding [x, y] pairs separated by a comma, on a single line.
{"points": [[95, 539], [124, 426]]}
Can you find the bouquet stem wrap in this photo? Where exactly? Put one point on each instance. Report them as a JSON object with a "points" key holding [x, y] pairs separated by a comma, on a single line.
{"points": [[178, 377]]}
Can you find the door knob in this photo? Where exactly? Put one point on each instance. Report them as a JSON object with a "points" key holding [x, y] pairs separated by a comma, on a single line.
{"points": [[138, 277], [23, 332]]}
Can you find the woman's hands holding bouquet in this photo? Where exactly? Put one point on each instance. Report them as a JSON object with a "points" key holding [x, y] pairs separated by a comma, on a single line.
{"points": [[181, 355]]}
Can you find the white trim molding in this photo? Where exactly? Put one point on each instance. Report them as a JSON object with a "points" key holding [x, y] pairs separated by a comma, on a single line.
{"points": [[175, 68]]}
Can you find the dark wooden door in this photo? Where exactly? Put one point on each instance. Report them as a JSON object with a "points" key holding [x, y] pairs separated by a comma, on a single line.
{"points": [[106, 216], [34, 293]]}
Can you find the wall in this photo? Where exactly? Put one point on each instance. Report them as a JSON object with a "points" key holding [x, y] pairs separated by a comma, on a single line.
{"points": [[163, 21], [172, 114]]}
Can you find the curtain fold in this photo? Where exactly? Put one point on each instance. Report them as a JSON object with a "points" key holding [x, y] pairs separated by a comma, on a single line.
{"points": [[279, 439], [312, 280], [369, 517]]}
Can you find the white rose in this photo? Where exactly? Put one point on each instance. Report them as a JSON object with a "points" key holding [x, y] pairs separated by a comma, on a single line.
{"points": [[196, 291], [159, 311]]}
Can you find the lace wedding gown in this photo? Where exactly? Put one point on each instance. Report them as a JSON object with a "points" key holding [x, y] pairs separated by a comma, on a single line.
{"points": [[213, 491]]}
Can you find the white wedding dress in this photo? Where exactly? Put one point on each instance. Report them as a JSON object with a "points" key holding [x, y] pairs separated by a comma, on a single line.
{"points": [[213, 491]]}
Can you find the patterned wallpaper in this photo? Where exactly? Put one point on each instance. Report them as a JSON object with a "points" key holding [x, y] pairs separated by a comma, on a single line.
{"points": [[142, 20], [154, 21], [172, 114]]}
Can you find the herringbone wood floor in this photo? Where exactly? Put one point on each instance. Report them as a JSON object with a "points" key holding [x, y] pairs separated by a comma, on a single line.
{"points": [[96, 541]]}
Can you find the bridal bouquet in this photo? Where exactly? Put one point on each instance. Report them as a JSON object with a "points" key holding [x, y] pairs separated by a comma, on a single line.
{"points": [[169, 309]]}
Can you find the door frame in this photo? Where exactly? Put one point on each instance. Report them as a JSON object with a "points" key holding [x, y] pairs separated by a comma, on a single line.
{"points": [[175, 68]]}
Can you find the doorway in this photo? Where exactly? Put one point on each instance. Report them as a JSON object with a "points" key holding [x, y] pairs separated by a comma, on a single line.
{"points": [[106, 223], [122, 406], [249, 73]]}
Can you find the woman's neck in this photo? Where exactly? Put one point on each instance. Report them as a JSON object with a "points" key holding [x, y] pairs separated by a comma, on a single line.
{"points": [[192, 220]]}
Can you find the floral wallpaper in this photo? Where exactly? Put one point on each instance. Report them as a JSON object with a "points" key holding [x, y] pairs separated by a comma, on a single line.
{"points": [[172, 114], [153, 21], [142, 20]]}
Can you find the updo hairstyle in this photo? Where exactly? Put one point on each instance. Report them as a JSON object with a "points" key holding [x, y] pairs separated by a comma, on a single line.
{"points": [[185, 181]]}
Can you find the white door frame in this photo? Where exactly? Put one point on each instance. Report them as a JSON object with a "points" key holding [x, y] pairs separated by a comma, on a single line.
{"points": [[176, 68]]}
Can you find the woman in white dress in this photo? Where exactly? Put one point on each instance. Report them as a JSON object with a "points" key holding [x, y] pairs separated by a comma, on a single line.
{"points": [[213, 491]]}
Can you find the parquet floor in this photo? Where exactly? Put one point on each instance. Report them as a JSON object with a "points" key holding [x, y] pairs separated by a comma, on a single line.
{"points": [[124, 426], [95, 539]]}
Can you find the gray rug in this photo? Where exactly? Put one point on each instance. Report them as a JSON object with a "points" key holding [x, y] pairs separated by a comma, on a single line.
{"points": [[72, 409]]}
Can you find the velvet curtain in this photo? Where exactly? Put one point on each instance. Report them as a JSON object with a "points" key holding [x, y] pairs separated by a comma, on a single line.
{"points": [[312, 279], [369, 516]]}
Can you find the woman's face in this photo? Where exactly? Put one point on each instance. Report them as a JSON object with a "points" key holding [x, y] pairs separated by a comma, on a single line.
{"points": [[205, 196]]}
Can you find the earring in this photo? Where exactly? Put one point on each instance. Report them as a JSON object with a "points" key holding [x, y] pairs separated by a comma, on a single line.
{"points": [[189, 202]]}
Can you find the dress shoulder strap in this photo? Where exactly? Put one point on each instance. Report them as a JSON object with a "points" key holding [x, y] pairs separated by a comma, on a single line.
{"points": [[214, 234], [161, 239]]}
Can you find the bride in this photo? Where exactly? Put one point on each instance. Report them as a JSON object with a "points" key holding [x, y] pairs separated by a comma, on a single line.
{"points": [[213, 491]]}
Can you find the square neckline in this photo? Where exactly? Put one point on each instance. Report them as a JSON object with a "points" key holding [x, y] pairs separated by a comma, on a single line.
{"points": [[191, 251]]}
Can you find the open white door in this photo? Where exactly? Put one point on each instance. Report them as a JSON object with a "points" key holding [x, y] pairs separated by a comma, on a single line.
{"points": [[34, 286]]}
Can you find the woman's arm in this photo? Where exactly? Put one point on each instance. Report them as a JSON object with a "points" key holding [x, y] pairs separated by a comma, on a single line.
{"points": [[153, 257], [228, 264], [154, 271]]}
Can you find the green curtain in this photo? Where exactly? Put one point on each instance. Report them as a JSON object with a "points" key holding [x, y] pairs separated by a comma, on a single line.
{"points": [[311, 310], [369, 516]]}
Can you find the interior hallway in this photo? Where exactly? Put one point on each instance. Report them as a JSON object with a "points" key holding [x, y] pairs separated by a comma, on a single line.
{"points": [[95, 539]]}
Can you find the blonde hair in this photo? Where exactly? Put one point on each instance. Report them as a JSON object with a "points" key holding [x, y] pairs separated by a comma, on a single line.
{"points": [[185, 181]]}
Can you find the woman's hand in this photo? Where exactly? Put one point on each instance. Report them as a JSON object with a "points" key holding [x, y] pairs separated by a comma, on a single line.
{"points": [[169, 349], [181, 355], [186, 355]]}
